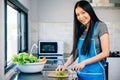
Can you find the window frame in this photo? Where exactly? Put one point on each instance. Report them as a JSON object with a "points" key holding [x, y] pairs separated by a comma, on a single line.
{"points": [[21, 9]]}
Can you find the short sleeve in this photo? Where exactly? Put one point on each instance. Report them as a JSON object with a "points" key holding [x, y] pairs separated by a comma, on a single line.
{"points": [[102, 29]]}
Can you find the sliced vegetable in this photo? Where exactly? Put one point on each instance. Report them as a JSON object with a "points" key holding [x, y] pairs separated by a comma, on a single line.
{"points": [[60, 73]]}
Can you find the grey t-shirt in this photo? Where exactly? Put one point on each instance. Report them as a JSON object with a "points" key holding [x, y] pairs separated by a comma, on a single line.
{"points": [[100, 30]]}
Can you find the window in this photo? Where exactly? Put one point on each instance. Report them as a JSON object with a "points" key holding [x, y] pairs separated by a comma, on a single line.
{"points": [[16, 30], [11, 32], [23, 32]]}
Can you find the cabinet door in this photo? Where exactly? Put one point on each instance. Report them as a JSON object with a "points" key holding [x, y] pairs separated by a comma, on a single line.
{"points": [[113, 69]]}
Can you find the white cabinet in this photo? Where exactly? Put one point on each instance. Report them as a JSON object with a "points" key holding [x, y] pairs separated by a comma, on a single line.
{"points": [[114, 68]]}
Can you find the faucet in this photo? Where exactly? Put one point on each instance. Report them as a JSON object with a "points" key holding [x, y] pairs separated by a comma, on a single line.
{"points": [[34, 46]]}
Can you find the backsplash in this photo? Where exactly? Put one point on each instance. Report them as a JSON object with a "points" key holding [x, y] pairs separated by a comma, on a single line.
{"points": [[57, 31]]}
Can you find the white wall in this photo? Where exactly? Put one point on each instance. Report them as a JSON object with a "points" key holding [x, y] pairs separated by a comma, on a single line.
{"points": [[34, 22], [2, 40], [56, 10]]}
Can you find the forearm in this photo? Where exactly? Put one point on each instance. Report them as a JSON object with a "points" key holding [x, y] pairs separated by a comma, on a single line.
{"points": [[96, 58], [69, 61]]}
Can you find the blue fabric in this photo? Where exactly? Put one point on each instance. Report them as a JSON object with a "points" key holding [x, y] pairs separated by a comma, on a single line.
{"points": [[93, 71]]}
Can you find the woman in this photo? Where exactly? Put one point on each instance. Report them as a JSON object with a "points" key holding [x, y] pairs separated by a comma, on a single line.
{"points": [[91, 44]]}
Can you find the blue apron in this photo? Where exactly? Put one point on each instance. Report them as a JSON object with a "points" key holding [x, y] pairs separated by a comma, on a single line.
{"points": [[93, 71]]}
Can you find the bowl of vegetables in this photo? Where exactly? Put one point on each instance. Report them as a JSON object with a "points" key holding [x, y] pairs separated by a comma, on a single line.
{"points": [[28, 63]]}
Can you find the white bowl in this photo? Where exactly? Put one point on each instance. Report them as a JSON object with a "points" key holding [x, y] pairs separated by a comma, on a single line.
{"points": [[31, 67]]}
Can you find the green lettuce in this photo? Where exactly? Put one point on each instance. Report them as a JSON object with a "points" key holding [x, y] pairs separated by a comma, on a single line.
{"points": [[60, 73], [23, 58]]}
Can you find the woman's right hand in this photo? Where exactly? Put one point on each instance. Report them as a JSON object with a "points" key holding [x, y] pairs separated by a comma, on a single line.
{"points": [[61, 68]]}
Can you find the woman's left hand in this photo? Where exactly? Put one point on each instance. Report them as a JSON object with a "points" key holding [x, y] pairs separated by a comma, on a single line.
{"points": [[79, 66]]}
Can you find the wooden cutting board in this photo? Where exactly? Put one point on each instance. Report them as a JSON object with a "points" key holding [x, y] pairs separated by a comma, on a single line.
{"points": [[53, 74]]}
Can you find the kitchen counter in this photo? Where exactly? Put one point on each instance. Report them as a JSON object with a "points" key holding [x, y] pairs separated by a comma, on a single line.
{"points": [[40, 76], [114, 54]]}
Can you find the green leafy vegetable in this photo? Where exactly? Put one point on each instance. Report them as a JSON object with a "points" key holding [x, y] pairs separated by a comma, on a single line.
{"points": [[60, 73], [23, 58]]}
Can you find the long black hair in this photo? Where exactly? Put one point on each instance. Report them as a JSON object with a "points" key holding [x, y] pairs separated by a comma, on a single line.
{"points": [[79, 29]]}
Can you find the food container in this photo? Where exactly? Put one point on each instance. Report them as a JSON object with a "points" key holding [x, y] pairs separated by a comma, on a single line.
{"points": [[31, 67]]}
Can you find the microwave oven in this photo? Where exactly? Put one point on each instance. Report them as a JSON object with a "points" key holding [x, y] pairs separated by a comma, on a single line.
{"points": [[51, 49]]}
